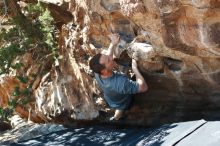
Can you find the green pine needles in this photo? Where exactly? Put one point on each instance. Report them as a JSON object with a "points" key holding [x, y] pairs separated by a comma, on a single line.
{"points": [[26, 32], [32, 31]]}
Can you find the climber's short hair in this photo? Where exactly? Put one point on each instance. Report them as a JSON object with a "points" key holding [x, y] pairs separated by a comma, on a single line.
{"points": [[95, 65]]}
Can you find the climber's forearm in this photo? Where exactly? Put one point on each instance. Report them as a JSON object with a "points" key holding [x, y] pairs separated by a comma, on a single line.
{"points": [[111, 49], [140, 80], [114, 41]]}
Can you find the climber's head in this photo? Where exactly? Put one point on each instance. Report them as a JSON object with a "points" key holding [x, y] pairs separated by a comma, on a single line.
{"points": [[102, 64]]}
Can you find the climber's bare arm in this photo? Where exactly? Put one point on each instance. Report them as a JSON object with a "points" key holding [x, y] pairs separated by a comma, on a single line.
{"points": [[115, 38], [139, 78]]}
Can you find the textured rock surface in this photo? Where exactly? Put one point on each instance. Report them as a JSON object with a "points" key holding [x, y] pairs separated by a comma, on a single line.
{"points": [[23, 130], [181, 65]]}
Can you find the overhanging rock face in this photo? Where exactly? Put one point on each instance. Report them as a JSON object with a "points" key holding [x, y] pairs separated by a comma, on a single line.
{"points": [[178, 50], [182, 66]]}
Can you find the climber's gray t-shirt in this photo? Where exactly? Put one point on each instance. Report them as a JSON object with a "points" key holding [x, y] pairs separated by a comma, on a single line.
{"points": [[118, 90]]}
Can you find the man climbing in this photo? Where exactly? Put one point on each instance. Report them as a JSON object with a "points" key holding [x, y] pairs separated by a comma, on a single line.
{"points": [[118, 88]]}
